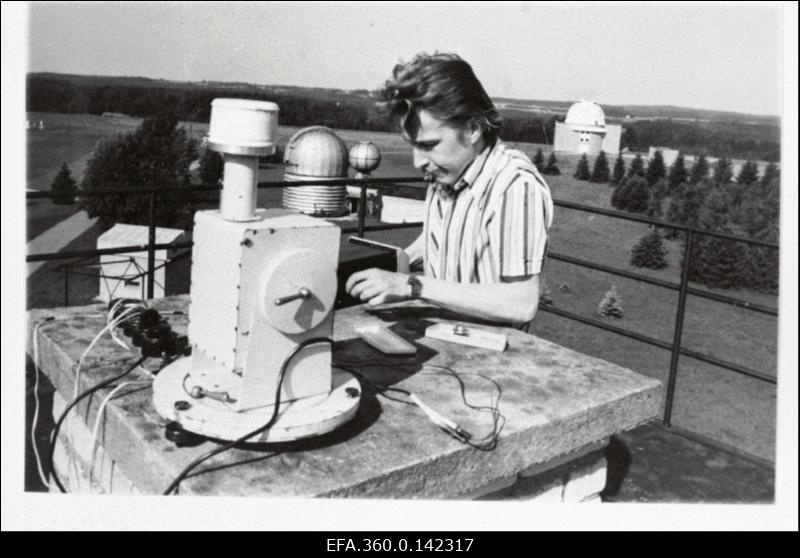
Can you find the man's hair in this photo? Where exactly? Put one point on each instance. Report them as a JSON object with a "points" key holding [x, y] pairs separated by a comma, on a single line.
{"points": [[444, 85]]}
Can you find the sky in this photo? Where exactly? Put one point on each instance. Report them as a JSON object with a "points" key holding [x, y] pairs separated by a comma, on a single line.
{"points": [[723, 56]]}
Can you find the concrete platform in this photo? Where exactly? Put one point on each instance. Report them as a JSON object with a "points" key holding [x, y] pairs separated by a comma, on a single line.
{"points": [[649, 464], [556, 403]]}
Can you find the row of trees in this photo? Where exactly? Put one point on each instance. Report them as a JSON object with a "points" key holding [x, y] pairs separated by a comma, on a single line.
{"points": [[361, 112], [708, 199], [738, 140], [353, 112], [552, 163], [599, 173]]}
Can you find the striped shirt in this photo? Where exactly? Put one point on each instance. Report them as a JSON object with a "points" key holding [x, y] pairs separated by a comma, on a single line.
{"points": [[493, 225]]}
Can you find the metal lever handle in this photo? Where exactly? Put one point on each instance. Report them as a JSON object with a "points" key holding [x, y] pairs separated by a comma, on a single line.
{"points": [[198, 393], [302, 292]]}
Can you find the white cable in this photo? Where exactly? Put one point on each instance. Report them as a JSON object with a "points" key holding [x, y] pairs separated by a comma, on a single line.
{"points": [[39, 468], [131, 306], [100, 411], [128, 313], [111, 324]]}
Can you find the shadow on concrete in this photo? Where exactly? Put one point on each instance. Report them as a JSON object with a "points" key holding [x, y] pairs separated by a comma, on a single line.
{"points": [[618, 464]]}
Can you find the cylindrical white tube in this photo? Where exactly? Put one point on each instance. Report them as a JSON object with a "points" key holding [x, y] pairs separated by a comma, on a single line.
{"points": [[238, 199]]}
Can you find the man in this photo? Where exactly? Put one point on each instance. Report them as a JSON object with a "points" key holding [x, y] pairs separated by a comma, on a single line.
{"points": [[488, 211]]}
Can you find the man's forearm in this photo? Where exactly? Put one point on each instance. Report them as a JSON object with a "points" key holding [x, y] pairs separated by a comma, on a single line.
{"points": [[515, 302]]}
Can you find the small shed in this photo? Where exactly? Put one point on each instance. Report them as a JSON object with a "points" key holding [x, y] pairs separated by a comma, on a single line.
{"points": [[402, 210], [125, 275]]}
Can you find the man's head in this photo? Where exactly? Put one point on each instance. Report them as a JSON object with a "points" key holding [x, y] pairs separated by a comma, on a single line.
{"points": [[441, 108]]}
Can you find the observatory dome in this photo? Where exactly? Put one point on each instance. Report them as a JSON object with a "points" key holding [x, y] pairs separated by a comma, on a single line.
{"points": [[315, 152], [364, 156], [312, 153], [586, 116]]}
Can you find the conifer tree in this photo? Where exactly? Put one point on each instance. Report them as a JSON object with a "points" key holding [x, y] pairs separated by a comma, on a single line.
{"points": [[658, 192], [673, 213], [619, 197], [649, 252], [691, 202], [619, 170], [582, 170], [654, 206], [716, 262], [723, 171], [713, 212], [538, 160], [655, 168], [552, 165], [611, 305], [600, 172], [748, 174], [700, 170], [636, 196], [677, 172], [771, 171], [65, 186], [761, 266], [637, 166], [759, 211]]}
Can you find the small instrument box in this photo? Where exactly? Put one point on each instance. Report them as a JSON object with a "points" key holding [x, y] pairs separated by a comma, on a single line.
{"points": [[471, 336]]}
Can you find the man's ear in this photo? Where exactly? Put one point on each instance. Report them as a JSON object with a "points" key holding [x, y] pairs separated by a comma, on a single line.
{"points": [[474, 132]]}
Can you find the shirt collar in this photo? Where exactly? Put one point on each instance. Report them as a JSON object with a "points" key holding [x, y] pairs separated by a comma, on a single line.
{"points": [[472, 171], [475, 167]]}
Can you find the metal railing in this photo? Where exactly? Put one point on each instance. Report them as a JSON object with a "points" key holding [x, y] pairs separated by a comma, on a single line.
{"points": [[682, 286]]}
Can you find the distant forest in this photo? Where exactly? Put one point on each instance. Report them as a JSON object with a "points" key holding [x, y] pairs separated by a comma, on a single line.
{"points": [[728, 139], [358, 110]]}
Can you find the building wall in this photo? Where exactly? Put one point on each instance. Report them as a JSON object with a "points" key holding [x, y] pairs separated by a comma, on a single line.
{"points": [[612, 138], [570, 141], [564, 139]]}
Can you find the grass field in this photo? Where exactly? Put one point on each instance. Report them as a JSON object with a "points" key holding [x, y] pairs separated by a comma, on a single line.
{"points": [[711, 401]]}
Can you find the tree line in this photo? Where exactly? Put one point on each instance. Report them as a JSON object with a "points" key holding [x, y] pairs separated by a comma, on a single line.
{"points": [[351, 112], [722, 139], [359, 111]]}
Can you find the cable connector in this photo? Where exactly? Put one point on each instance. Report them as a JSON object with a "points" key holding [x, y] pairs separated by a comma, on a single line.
{"points": [[441, 421]]}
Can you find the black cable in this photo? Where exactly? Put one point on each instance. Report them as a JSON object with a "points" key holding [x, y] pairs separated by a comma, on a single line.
{"points": [[77, 400], [361, 377], [486, 443], [216, 451]]}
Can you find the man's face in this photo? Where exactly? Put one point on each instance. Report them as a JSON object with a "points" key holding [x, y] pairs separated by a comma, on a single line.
{"points": [[442, 150]]}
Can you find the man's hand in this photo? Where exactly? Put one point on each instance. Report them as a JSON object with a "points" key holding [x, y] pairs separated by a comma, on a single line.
{"points": [[377, 286]]}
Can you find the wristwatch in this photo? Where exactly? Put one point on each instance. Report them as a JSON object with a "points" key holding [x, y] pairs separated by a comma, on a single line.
{"points": [[416, 285]]}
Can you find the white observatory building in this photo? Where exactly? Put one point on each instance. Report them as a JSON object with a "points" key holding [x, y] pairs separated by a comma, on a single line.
{"points": [[585, 131]]}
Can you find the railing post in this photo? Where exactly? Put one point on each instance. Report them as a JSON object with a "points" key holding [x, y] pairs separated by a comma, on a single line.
{"points": [[676, 340], [151, 251], [362, 210]]}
